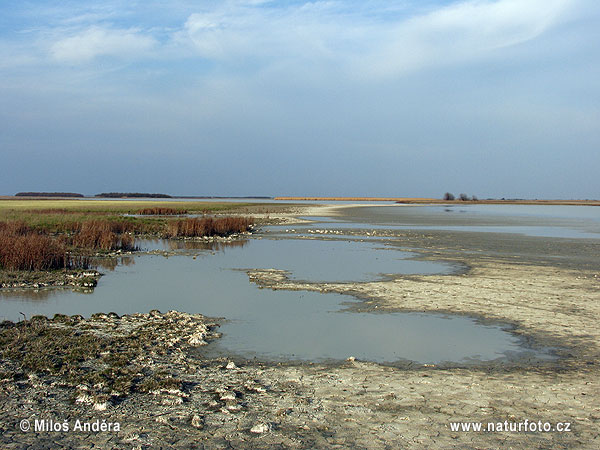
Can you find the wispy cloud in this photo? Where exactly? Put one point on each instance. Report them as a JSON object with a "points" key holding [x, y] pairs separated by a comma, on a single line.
{"points": [[96, 41], [326, 32], [370, 39], [462, 31]]}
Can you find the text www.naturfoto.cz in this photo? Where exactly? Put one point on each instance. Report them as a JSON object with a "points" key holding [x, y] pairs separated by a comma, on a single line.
{"points": [[514, 427]]}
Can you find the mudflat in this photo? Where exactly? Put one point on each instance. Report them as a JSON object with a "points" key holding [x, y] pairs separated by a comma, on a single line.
{"points": [[546, 289]]}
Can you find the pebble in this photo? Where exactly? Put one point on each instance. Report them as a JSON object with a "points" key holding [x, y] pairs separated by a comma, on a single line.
{"points": [[260, 428]]}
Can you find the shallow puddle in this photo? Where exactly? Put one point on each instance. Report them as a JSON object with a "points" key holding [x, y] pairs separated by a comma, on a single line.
{"points": [[280, 324]]}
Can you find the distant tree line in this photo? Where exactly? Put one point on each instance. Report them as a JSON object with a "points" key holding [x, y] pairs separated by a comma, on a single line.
{"points": [[131, 195], [48, 194], [461, 197]]}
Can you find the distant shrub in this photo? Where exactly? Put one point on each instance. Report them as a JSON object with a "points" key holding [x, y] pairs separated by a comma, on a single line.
{"points": [[448, 196], [463, 197]]}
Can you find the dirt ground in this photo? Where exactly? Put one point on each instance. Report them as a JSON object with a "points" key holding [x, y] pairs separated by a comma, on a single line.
{"points": [[548, 290]]}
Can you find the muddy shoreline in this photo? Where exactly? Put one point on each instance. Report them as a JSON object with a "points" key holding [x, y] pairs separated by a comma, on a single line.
{"points": [[234, 403]]}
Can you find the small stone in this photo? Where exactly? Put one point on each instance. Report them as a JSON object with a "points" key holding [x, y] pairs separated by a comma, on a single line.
{"points": [[260, 428], [100, 406], [351, 358], [197, 421], [228, 396], [230, 365]]}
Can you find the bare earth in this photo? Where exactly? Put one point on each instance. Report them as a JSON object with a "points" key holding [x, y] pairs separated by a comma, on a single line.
{"points": [[551, 302]]}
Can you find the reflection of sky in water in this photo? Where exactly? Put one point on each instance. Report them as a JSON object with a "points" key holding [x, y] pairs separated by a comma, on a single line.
{"points": [[569, 212], [328, 261], [557, 221], [275, 324]]}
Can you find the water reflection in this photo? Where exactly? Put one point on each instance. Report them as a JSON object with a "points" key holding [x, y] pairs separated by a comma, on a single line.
{"points": [[189, 244], [111, 264]]}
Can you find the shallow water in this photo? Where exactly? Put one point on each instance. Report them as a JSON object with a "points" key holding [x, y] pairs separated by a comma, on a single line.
{"points": [[280, 324], [319, 260], [553, 221]]}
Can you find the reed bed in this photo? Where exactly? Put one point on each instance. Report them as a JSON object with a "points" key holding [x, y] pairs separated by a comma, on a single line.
{"points": [[104, 235], [22, 249], [69, 244], [14, 227], [208, 226]]}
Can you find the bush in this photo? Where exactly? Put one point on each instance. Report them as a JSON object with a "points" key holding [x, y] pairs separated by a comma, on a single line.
{"points": [[448, 196]]}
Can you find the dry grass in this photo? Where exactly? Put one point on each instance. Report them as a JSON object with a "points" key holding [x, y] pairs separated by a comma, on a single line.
{"points": [[38, 235], [25, 248], [20, 204], [208, 226], [104, 235], [22, 249]]}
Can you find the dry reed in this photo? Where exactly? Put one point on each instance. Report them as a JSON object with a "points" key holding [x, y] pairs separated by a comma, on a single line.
{"points": [[208, 226]]}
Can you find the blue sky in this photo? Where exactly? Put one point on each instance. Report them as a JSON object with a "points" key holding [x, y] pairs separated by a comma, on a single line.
{"points": [[408, 98]]}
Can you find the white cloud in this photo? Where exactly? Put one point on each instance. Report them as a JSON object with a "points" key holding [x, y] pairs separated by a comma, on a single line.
{"points": [[462, 31], [327, 32], [97, 41], [370, 39]]}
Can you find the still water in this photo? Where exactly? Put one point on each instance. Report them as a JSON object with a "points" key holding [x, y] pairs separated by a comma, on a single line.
{"points": [[554, 221], [277, 325]]}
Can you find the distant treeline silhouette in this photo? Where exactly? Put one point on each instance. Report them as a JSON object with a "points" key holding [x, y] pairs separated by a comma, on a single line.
{"points": [[462, 197], [131, 195], [48, 194]]}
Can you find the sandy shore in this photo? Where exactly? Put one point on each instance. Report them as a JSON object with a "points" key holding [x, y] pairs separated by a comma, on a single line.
{"points": [[220, 403]]}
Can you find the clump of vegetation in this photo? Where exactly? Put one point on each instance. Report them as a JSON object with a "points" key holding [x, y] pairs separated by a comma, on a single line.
{"points": [[462, 197], [22, 248], [158, 211], [208, 226], [34, 249], [104, 235], [32, 252]]}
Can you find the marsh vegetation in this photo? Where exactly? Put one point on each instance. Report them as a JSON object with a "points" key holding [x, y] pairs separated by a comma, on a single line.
{"points": [[42, 235]]}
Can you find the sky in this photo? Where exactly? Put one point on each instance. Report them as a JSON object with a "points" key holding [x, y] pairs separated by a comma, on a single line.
{"points": [[497, 98]]}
